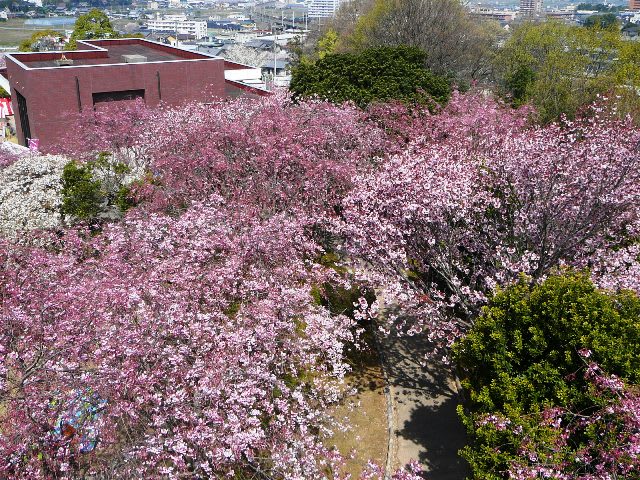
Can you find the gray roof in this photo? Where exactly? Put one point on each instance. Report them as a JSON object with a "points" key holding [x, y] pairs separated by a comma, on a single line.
{"points": [[262, 44], [279, 64], [216, 51]]}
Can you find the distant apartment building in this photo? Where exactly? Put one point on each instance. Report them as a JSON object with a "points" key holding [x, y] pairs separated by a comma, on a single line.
{"points": [[323, 8], [567, 14], [178, 24], [634, 4], [530, 8], [492, 14], [49, 89]]}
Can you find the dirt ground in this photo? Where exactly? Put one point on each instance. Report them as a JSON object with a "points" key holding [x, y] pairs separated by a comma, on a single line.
{"points": [[366, 412]]}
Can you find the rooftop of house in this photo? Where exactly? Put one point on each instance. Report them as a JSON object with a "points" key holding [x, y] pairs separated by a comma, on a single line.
{"points": [[280, 64], [259, 43], [108, 52]]}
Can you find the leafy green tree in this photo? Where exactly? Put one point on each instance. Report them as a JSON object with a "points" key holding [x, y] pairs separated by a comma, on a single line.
{"points": [[560, 68], [519, 82], [523, 355], [607, 20], [35, 42], [600, 7], [91, 25], [456, 45], [328, 43], [627, 77], [375, 74], [364, 32]]}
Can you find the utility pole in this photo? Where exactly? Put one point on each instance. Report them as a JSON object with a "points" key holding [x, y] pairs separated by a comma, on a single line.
{"points": [[275, 58]]}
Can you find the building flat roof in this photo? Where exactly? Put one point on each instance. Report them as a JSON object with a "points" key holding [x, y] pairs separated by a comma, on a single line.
{"points": [[109, 52], [106, 52]]}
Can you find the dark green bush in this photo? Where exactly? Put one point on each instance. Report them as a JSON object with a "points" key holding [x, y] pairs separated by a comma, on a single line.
{"points": [[82, 195], [94, 191], [606, 20], [519, 83], [123, 199], [522, 356], [374, 74]]}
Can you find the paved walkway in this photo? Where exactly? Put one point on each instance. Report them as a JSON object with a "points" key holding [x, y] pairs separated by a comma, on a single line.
{"points": [[424, 400]]}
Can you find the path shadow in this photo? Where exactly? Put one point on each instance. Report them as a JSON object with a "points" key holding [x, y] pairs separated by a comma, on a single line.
{"points": [[408, 368], [425, 397], [439, 431]]}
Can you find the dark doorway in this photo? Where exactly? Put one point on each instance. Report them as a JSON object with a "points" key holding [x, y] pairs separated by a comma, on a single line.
{"points": [[24, 118]]}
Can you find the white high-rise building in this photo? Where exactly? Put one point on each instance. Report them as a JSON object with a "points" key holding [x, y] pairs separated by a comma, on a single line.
{"points": [[530, 8], [323, 8]]}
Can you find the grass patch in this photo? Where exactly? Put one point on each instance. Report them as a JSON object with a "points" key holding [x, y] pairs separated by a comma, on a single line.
{"points": [[14, 31], [366, 413]]}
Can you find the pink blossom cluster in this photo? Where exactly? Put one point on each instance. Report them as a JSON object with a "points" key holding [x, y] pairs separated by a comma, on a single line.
{"points": [[187, 331], [9, 154], [499, 422], [480, 196], [268, 154], [197, 334]]}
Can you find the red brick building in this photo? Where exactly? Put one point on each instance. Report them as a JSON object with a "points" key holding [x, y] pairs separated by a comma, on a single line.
{"points": [[48, 89]]}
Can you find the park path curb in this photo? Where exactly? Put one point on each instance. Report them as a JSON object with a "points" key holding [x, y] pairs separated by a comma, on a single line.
{"points": [[388, 467], [394, 443]]}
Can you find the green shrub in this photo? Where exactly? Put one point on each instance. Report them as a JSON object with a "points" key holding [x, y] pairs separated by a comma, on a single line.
{"points": [[94, 191], [374, 74], [123, 199], [82, 195], [522, 356]]}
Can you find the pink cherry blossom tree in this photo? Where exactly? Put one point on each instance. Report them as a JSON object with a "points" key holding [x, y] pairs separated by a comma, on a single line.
{"points": [[263, 152], [196, 338], [479, 196]]}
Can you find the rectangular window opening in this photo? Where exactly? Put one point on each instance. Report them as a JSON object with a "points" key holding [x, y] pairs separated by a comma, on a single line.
{"points": [[118, 96]]}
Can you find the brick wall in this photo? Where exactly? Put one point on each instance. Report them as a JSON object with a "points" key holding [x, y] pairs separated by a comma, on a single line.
{"points": [[52, 93]]}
